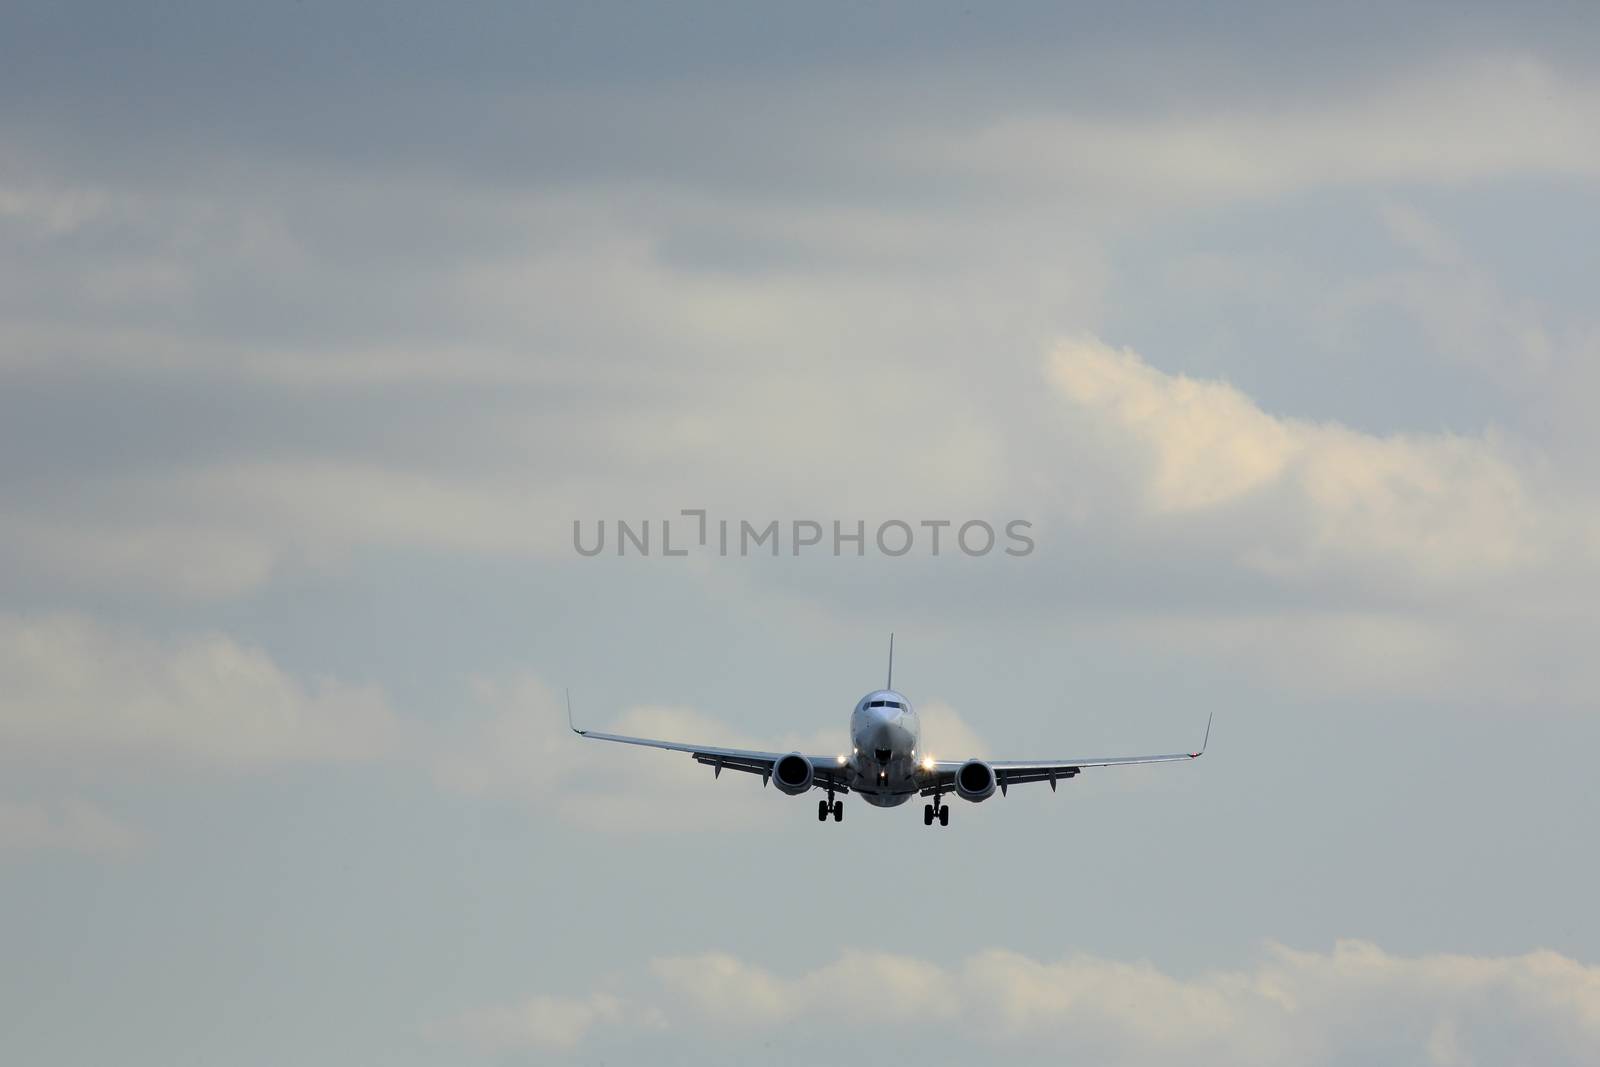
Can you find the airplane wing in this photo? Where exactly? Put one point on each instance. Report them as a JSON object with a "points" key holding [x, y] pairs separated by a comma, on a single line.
{"points": [[825, 769], [942, 776]]}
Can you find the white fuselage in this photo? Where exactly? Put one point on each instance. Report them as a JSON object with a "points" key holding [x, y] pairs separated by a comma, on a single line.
{"points": [[886, 743]]}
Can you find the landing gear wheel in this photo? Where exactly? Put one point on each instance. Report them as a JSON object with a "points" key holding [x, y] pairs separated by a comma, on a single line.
{"points": [[927, 814], [838, 811], [944, 815], [822, 811]]}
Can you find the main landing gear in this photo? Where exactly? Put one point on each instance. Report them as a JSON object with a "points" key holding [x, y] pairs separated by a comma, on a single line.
{"points": [[934, 811], [830, 807]]}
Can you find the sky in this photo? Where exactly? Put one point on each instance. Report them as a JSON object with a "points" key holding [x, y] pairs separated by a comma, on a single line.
{"points": [[324, 327]]}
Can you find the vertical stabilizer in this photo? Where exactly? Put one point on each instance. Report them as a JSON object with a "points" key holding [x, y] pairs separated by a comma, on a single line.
{"points": [[890, 683]]}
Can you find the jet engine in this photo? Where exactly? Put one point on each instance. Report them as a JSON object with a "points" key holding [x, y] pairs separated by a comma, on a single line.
{"points": [[792, 774], [975, 781]]}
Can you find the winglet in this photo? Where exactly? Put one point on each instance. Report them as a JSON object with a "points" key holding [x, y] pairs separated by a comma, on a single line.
{"points": [[1203, 744], [570, 723]]}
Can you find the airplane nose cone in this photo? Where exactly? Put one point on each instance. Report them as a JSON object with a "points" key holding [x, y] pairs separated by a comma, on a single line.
{"points": [[881, 740]]}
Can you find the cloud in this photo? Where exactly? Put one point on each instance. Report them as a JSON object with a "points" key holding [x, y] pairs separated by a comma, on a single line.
{"points": [[252, 285], [520, 747], [80, 694], [539, 1022], [69, 826], [83, 698], [1461, 120], [1303, 498], [1315, 556], [1356, 1004], [1362, 558], [1540, 356]]}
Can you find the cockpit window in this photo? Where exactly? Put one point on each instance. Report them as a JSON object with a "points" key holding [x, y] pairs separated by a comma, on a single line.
{"points": [[886, 704]]}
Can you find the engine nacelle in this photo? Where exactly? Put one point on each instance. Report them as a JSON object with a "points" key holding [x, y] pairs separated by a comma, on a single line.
{"points": [[792, 774], [975, 781]]}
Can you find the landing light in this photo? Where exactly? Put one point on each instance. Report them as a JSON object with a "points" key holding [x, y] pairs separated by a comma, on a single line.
{"points": [[843, 760], [927, 763]]}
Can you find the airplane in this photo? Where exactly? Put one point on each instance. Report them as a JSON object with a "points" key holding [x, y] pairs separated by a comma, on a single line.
{"points": [[886, 765]]}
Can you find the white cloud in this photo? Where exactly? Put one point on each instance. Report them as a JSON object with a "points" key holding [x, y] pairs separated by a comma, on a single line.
{"points": [[71, 826], [1304, 497], [83, 697], [1132, 447], [1122, 460], [521, 748], [861, 988], [539, 1022], [1485, 117], [1319, 557], [947, 734], [78, 693], [1354, 1005]]}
